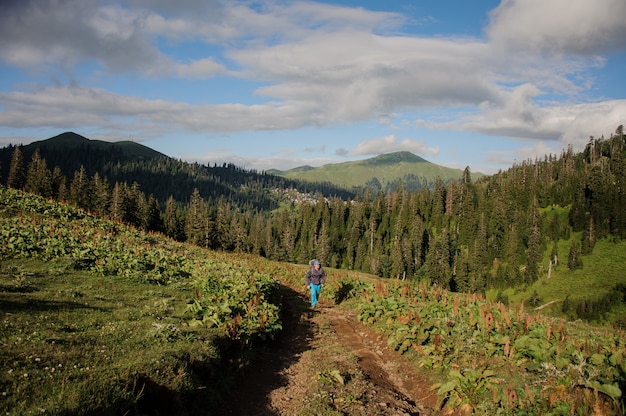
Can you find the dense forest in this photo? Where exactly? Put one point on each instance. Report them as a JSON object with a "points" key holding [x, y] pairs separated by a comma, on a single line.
{"points": [[72, 156], [464, 236]]}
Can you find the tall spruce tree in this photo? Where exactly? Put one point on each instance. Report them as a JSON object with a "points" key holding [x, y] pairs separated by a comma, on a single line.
{"points": [[171, 220], [438, 260], [17, 177], [117, 208], [80, 191], [39, 177], [199, 225], [154, 217], [101, 192], [59, 185]]}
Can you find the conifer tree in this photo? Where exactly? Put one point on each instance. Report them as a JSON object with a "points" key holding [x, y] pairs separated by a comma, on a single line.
{"points": [[171, 221], [323, 247], [438, 260], [39, 177], [287, 237], [101, 194], [223, 234], [588, 238], [17, 177], [59, 185], [199, 226], [356, 231], [534, 252], [257, 234], [574, 259], [117, 209], [154, 220], [466, 218], [80, 192], [240, 228], [438, 204], [134, 206]]}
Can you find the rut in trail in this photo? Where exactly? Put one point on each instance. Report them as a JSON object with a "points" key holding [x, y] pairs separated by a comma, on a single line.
{"points": [[281, 378]]}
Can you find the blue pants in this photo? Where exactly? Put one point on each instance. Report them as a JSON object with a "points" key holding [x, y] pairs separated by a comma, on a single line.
{"points": [[315, 293]]}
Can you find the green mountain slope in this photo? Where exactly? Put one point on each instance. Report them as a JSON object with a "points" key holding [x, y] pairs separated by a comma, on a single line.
{"points": [[380, 173]]}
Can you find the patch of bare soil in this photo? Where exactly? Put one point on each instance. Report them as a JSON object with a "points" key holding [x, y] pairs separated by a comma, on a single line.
{"points": [[327, 362]]}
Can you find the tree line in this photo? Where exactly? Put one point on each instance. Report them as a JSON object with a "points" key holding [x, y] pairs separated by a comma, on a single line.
{"points": [[462, 235]]}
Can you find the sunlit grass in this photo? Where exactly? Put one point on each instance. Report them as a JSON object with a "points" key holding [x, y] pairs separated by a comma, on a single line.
{"points": [[77, 343], [602, 270]]}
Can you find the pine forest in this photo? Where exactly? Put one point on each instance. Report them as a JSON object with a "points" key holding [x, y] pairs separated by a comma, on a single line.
{"points": [[500, 232]]}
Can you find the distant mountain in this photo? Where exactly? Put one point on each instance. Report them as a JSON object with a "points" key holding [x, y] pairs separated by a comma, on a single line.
{"points": [[382, 172], [70, 151], [159, 174], [125, 150]]}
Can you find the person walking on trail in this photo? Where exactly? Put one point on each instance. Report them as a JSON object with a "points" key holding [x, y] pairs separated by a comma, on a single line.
{"points": [[315, 279]]}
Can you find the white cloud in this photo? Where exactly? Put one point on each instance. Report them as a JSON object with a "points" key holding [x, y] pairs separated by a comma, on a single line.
{"points": [[201, 68], [389, 143], [64, 34], [72, 106], [521, 118], [320, 65], [560, 26], [509, 157]]}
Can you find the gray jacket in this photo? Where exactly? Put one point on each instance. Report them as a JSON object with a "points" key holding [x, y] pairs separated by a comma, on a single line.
{"points": [[317, 277]]}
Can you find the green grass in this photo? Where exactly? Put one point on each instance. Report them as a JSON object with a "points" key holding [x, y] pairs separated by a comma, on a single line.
{"points": [[386, 168], [602, 270], [79, 343], [99, 318]]}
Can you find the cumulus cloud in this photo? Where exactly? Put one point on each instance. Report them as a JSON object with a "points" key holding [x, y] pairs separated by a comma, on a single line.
{"points": [[353, 76], [64, 34], [318, 64], [390, 143], [496, 160], [67, 32], [560, 26], [519, 117]]}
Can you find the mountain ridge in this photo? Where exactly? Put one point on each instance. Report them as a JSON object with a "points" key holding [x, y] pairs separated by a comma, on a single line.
{"points": [[382, 172], [70, 139]]}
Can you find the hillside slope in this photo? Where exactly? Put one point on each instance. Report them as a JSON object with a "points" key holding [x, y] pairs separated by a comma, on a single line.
{"points": [[102, 319], [382, 172], [126, 149], [159, 174]]}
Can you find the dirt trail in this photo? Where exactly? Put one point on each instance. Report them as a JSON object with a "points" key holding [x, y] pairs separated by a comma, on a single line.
{"points": [[285, 378]]}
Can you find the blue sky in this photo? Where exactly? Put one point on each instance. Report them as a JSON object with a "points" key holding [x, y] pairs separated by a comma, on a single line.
{"points": [[280, 84]]}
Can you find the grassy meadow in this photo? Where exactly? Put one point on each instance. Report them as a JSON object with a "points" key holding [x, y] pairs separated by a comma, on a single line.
{"points": [[99, 318]]}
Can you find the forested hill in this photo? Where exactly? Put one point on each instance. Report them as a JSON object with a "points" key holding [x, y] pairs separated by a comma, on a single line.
{"points": [[156, 174], [77, 147], [556, 219]]}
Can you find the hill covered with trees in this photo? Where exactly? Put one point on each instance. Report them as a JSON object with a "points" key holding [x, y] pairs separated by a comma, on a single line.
{"points": [[501, 232], [73, 158]]}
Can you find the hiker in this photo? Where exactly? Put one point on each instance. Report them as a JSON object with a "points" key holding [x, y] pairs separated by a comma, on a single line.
{"points": [[315, 279]]}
